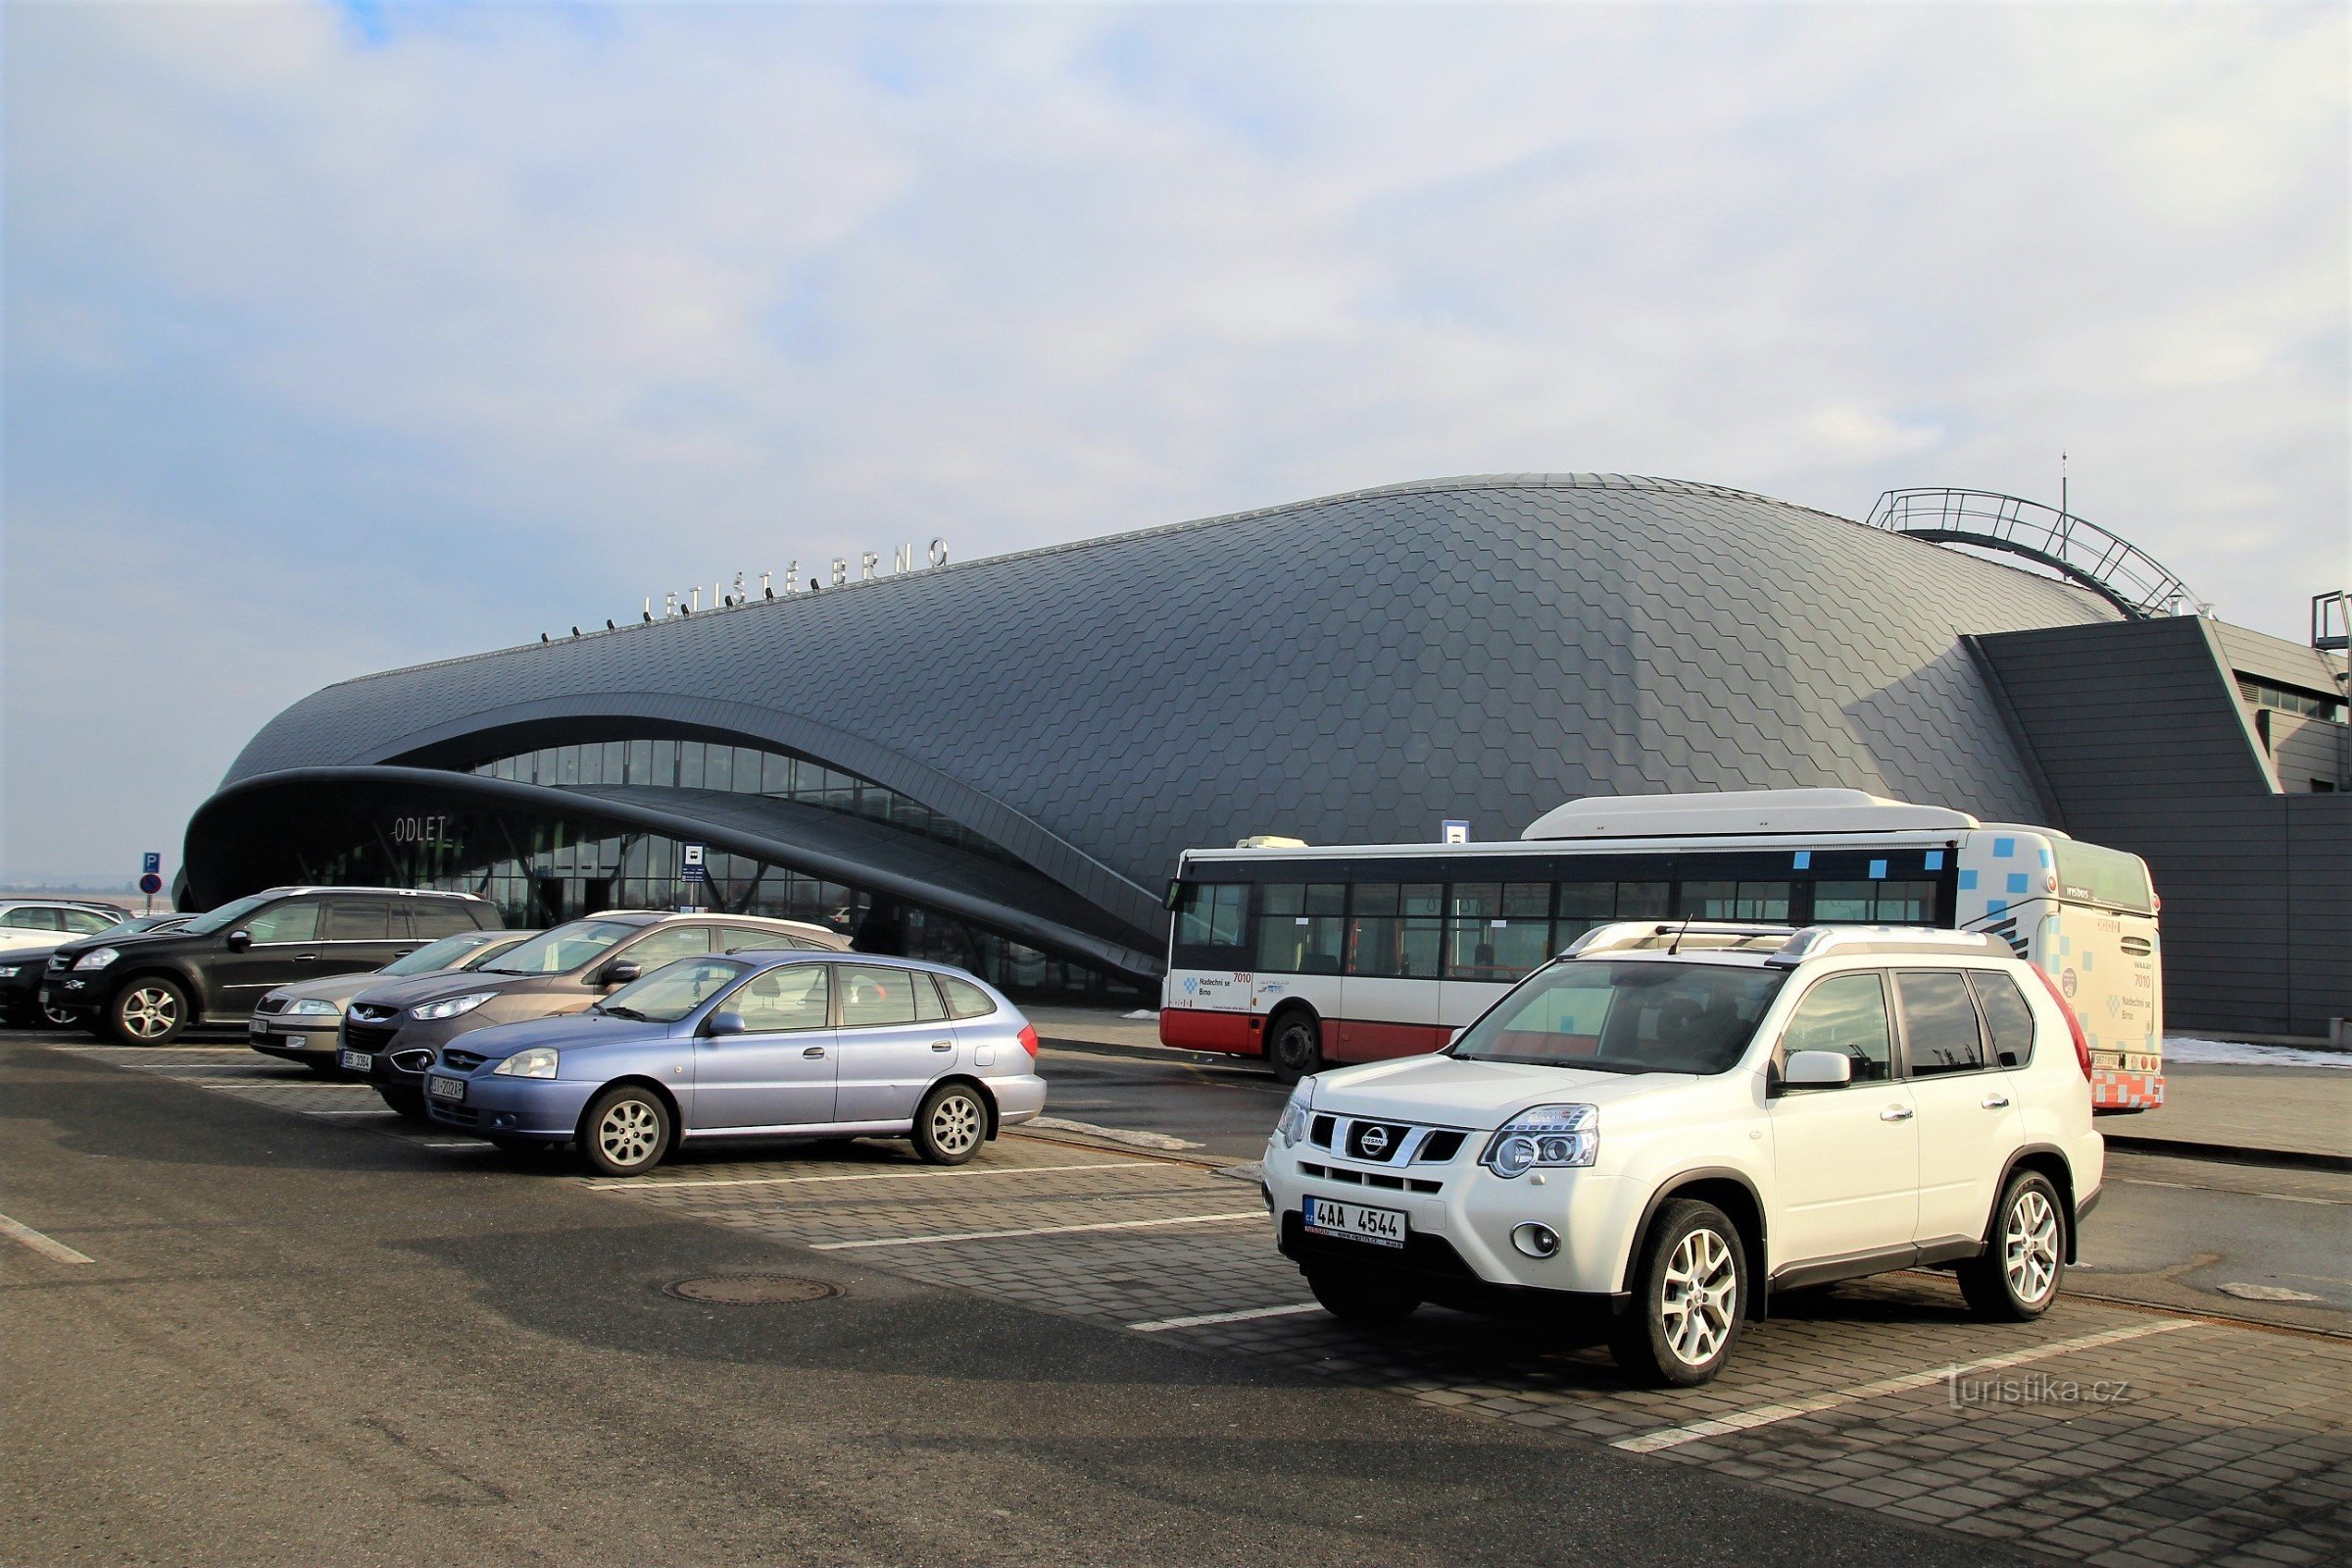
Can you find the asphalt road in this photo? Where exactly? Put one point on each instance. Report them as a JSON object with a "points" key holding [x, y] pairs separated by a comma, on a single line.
{"points": [[302, 1343]]}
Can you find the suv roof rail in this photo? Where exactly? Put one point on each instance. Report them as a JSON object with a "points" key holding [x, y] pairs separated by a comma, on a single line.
{"points": [[398, 893], [1709, 935], [1789, 945], [1814, 941]]}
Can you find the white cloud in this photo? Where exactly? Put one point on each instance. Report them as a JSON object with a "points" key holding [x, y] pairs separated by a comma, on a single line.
{"points": [[527, 312]]}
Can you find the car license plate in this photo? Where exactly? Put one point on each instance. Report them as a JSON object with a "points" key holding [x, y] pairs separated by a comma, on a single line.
{"points": [[447, 1088], [1382, 1227], [356, 1061]]}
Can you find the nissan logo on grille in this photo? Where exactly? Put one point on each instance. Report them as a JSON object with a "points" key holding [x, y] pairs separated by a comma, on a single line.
{"points": [[1372, 1139]]}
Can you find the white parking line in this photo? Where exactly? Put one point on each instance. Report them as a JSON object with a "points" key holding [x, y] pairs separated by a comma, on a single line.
{"points": [[1161, 1325], [2231, 1192], [1037, 1230], [864, 1176], [1764, 1416], [40, 1244]]}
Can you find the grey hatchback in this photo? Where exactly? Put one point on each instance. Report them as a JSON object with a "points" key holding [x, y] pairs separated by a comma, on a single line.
{"points": [[747, 1046]]}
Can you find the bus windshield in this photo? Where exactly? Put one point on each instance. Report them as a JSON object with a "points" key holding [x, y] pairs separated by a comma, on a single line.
{"points": [[1654, 1016]]}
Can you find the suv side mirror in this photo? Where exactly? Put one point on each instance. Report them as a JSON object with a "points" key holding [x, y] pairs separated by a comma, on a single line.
{"points": [[239, 940], [724, 1023], [1818, 1069], [620, 972]]}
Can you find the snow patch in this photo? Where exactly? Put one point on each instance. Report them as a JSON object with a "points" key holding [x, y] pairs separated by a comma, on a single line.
{"points": [[2237, 1054]]}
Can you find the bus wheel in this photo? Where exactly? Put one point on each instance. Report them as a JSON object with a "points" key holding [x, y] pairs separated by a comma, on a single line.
{"points": [[1295, 1045]]}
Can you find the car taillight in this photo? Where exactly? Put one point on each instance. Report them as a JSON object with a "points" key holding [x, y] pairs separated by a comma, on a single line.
{"points": [[1029, 1040], [2074, 1025]]}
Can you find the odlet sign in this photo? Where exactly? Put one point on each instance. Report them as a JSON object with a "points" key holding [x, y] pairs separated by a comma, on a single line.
{"points": [[869, 567]]}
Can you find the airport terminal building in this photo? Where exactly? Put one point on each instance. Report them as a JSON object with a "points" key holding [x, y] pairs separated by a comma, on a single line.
{"points": [[997, 763]]}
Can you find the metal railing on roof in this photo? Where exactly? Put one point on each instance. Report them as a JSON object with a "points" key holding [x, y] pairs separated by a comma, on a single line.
{"points": [[2075, 547]]}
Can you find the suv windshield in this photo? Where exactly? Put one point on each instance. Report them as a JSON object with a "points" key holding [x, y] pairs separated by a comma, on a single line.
{"points": [[1653, 1017], [671, 992], [562, 950], [227, 915], [441, 955]]}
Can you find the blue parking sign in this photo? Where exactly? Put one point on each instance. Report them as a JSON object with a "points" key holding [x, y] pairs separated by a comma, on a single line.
{"points": [[151, 862]]}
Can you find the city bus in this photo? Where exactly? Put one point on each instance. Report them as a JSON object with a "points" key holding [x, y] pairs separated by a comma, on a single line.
{"points": [[1314, 955]]}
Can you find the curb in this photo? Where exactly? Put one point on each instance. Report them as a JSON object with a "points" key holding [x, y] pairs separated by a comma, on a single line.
{"points": [[2231, 1154], [1171, 1053]]}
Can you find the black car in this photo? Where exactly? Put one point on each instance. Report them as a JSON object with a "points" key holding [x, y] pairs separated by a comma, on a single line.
{"points": [[144, 990], [21, 970]]}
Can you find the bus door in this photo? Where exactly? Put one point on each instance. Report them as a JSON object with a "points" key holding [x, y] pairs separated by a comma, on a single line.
{"points": [[1496, 935], [1389, 1003]]}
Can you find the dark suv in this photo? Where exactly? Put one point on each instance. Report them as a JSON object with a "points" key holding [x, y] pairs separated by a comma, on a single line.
{"points": [[391, 1031], [144, 990]]}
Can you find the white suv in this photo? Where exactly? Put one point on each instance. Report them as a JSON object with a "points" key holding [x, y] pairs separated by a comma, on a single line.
{"points": [[1673, 1121]]}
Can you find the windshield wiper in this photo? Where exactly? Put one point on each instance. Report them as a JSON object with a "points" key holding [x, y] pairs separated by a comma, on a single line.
{"points": [[622, 1012]]}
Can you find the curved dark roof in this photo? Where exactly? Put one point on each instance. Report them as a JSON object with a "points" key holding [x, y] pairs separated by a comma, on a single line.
{"points": [[1354, 668]]}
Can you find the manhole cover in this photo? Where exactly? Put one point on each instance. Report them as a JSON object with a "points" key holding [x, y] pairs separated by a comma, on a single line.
{"points": [[750, 1290]]}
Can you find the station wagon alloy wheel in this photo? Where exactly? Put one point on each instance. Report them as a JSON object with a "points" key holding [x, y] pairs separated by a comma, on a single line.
{"points": [[626, 1131], [952, 1124]]}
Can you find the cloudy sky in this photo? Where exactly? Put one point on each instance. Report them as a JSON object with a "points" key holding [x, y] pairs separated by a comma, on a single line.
{"points": [[338, 338]]}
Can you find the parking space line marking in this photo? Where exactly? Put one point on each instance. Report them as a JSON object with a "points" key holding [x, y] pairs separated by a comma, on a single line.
{"points": [[2231, 1192], [377, 1112], [1764, 1416], [47, 1247], [864, 1176], [1162, 1325], [1037, 1230]]}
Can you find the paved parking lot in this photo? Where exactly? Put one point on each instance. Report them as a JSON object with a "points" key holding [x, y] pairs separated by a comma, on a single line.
{"points": [[2102, 1433]]}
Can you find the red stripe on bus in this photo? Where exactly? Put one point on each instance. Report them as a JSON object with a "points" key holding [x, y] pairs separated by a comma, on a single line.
{"points": [[1196, 1029], [1378, 1042]]}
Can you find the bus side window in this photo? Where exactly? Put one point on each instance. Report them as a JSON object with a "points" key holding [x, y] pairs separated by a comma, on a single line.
{"points": [[2006, 1015], [1209, 915]]}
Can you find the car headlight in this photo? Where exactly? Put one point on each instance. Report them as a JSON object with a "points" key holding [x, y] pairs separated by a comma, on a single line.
{"points": [[1293, 1125], [537, 1063], [311, 1007], [1544, 1138], [450, 1007], [97, 957], [9, 971]]}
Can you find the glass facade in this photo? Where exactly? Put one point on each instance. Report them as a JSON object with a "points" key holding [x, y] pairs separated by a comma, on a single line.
{"points": [[676, 764], [542, 869]]}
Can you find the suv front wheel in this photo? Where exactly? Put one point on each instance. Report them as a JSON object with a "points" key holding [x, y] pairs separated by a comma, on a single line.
{"points": [[2014, 1279], [147, 1011], [1689, 1288]]}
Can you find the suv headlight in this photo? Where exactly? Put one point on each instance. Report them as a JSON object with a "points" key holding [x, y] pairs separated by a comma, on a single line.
{"points": [[9, 971], [1293, 1125], [537, 1063], [450, 1006], [97, 957], [1544, 1138], [311, 1007]]}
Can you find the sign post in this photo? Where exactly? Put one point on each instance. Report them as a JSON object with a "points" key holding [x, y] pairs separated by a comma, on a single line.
{"points": [[695, 873], [151, 877]]}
